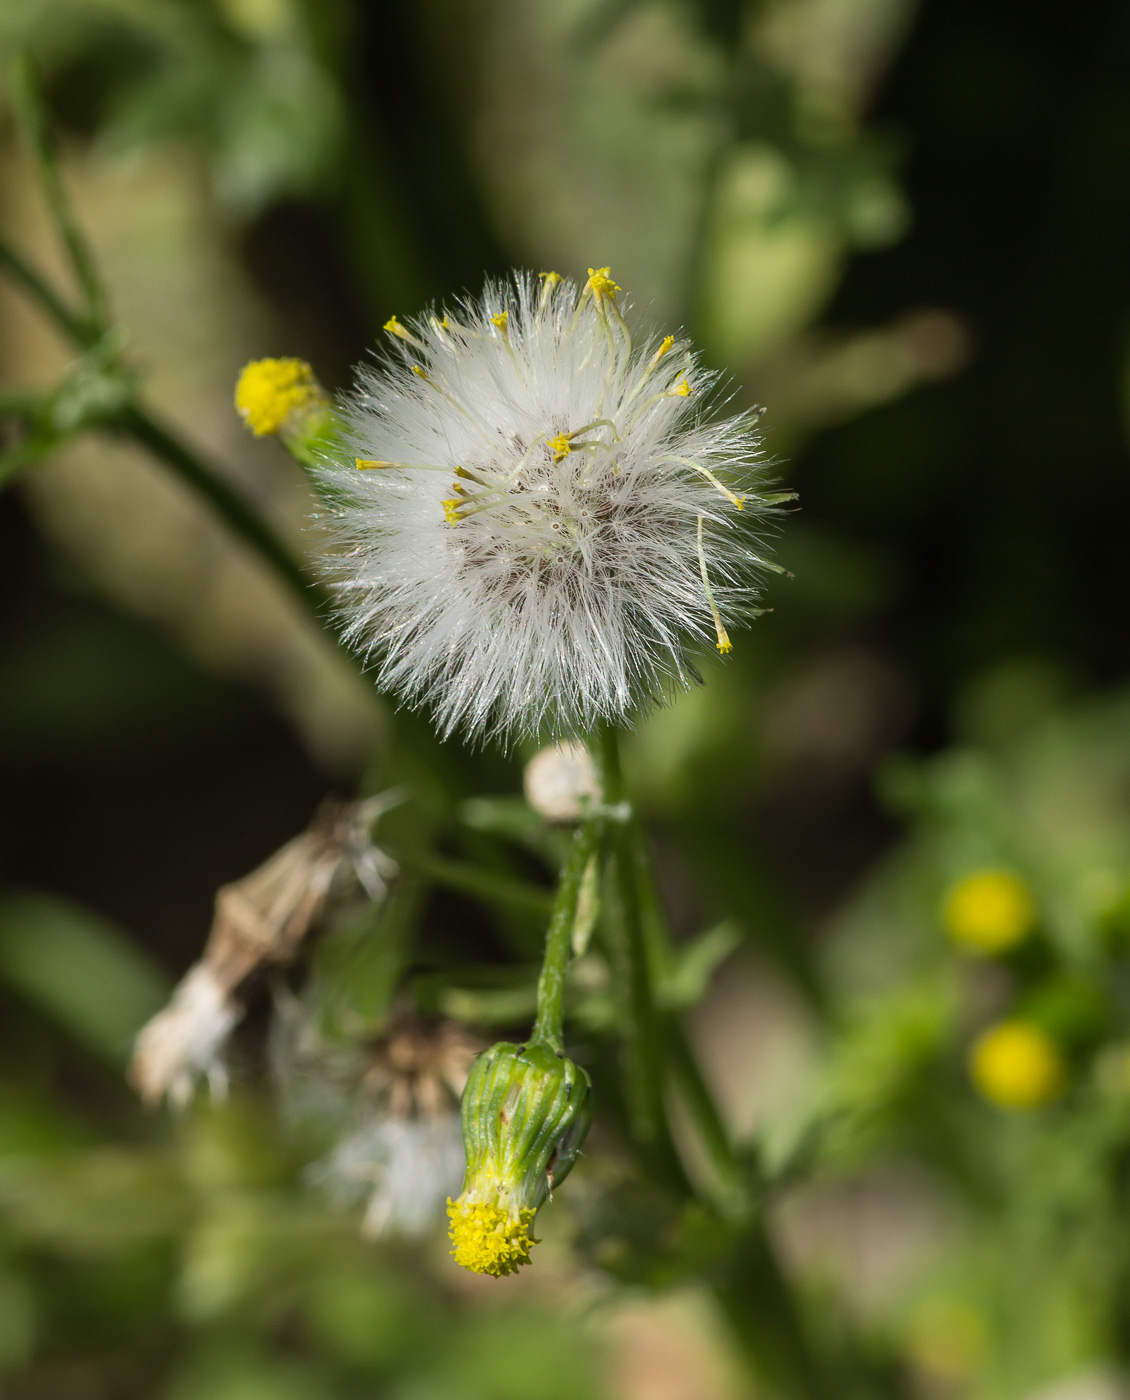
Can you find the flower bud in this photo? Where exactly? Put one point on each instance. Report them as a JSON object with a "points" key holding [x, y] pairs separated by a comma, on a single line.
{"points": [[282, 398], [526, 1111], [560, 782], [1017, 1065], [990, 911]]}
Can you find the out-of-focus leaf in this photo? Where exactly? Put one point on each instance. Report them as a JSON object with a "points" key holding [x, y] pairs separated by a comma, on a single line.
{"points": [[17, 1322], [696, 963], [80, 971], [93, 1204]]}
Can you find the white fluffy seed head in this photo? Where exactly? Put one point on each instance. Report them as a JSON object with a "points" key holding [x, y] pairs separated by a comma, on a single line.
{"points": [[546, 525]]}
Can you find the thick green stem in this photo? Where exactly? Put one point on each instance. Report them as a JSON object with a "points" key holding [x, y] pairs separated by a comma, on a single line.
{"points": [[645, 1064], [548, 1029], [767, 1322], [712, 1132]]}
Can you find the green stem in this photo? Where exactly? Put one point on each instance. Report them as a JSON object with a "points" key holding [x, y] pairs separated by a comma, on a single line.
{"points": [[24, 275], [767, 1321], [704, 1112], [33, 119], [240, 516], [490, 885], [549, 1027], [645, 1064]]}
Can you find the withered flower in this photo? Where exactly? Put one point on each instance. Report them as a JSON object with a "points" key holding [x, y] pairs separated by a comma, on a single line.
{"points": [[260, 922]]}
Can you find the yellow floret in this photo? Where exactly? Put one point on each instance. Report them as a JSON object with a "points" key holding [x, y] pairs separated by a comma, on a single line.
{"points": [[1017, 1065], [990, 911], [487, 1240], [601, 285], [269, 391]]}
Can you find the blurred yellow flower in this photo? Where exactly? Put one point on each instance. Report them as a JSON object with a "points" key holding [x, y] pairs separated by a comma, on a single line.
{"points": [[1016, 1065], [269, 391], [989, 911]]}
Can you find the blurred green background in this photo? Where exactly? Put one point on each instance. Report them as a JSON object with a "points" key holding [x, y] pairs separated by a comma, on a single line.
{"points": [[905, 229]]}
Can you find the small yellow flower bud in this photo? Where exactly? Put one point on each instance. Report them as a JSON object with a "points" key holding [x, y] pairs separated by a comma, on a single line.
{"points": [[990, 911], [1016, 1065], [270, 392]]}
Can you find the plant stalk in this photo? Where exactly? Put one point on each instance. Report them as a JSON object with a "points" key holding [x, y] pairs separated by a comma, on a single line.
{"points": [[644, 1059], [549, 1026]]}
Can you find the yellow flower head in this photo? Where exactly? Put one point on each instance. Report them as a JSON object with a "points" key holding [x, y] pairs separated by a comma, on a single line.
{"points": [[990, 911], [488, 1240], [270, 391], [1017, 1065]]}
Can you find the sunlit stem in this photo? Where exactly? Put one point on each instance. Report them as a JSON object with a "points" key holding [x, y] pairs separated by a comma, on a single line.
{"points": [[738, 502], [649, 403], [624, 327], [514, 475], [369, 464], [549, 1027], [724, 643], [644, 1063]]}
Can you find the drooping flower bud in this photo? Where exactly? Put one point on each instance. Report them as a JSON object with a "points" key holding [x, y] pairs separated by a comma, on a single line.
{"points": [[526, 1111]]}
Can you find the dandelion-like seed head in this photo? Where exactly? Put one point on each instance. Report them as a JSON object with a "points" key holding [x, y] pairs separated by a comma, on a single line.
{"points": [[546, 523]]}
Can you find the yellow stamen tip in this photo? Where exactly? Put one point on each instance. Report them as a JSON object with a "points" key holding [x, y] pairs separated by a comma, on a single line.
{"points": [[487, 1240], [725, 646], [269, 391], [500, 321], [365, 464], [393, 326], [682, 389], [560, 446], [550, 278], [422, 374], [739, 502], [601, 285], [665, 346]]}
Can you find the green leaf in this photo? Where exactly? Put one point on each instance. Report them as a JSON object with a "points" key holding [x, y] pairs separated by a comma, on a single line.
{"points": [[80, 971]]}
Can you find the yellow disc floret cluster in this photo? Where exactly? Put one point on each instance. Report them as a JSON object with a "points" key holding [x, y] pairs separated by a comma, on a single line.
{"points": [[1017, 1065], [990, 911], [487, 1239], [269, 391]]}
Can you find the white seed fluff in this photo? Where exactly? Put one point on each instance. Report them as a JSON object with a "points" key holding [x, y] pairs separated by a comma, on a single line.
{"points": [[548, 525]]}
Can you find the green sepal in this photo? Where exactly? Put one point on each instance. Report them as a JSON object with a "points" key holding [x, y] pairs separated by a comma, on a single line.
{"points": [[526, 1110]]}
